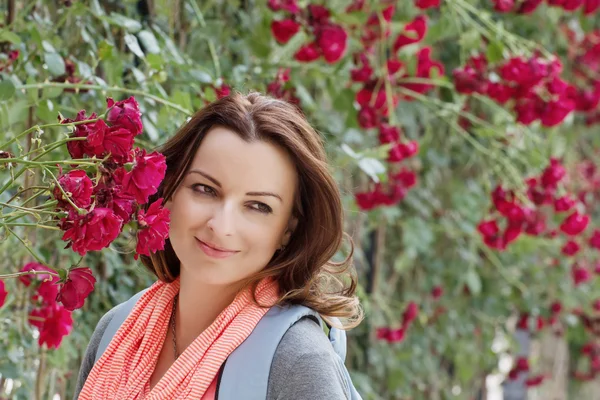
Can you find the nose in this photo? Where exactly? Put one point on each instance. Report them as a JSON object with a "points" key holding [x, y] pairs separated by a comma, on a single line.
{"points": [[222, 221]]}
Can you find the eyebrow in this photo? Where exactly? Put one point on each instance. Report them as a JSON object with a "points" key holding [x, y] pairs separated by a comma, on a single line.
{"points": [[218, 184]]}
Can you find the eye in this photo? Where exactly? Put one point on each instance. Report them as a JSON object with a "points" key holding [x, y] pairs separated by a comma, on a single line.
{"points": [[204, 189], [262, 208]]}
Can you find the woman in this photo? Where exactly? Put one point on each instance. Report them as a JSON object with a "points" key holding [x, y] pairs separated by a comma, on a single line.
{"points": [[256, 218]]}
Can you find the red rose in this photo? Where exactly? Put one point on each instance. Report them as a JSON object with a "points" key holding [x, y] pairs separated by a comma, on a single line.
{"points": [[94, 231], [33, 266], [48, 290], [79, 148], [284, 30], [595, 239], [308, 52], [78, 185], [79, 284], [146, 176], [116, 140], [56, 323], [154, 229], [425, 4], [3, 293], [126, 114], [332, 41], [575, 223], [410, 313], [414, 32]]}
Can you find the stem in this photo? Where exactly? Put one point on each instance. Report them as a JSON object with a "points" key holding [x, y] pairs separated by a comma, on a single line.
{"points": [[31, 272], [54, 228], [80, 211], [211, 45], [105, 89], [28, 210], [52, 163], [55, 145], [29, 249], [55, 124], [25, 190]]}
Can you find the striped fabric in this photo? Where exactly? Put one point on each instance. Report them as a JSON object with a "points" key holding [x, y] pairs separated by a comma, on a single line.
{"points": [[124, 370]]}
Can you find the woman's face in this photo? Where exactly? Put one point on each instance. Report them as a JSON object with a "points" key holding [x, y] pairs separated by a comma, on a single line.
{"points": [[233, 208]]}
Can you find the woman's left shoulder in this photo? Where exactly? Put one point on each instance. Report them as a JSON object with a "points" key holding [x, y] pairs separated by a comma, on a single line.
{"points": [[306, 365]]}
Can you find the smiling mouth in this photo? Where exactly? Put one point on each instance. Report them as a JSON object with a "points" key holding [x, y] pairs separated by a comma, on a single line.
{"points": [[215, 252]]}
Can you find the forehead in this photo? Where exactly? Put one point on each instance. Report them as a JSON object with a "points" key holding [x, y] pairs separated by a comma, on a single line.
{"points": [[256, 166]]}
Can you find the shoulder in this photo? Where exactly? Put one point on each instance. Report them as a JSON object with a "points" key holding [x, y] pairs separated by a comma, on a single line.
{"points": [[89, 357], [305, 365]]}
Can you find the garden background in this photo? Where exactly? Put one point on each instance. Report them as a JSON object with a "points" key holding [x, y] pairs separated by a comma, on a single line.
{"points": [[464, 136]]}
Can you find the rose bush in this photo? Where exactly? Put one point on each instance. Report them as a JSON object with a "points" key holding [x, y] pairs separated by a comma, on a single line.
{"points": [[462, 134]]}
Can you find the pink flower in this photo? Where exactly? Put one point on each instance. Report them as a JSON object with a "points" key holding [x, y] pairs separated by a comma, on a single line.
{"points": [[413, 32], [79, 284], [529, 6], [33, 266], [580, 274], [146, 176], [367, 118], [93, 231], [56, 323], [488, 228], [284, 30], [388, 133], [595, 239], [222, 91], [410, 313], [556, 111], [48, 290], [154, 229], [425, 4], [116, 141], [575, 223], [396, 335], [332, 41], [110, 194], [553, 174], [564, 203], [534, 381], [556, 307], [503, 5], [78, 185], [437, 292], [571, 248], [522, 364], [319, 15], [126, 114], [79, 148], [308, 52], [286, 5], [590, 6], [3, 293]]}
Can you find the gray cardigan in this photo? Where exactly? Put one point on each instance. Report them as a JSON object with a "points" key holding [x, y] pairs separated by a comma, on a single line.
{"points": [[304, 366]]}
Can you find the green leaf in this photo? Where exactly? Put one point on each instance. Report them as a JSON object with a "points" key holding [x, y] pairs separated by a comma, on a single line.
{"points": [[130, 24], [105, 50], [494, 52], [55, 63], [7, 89], [6, 36], [133, 45], [149, 42], [287, 51], [473, 281]]}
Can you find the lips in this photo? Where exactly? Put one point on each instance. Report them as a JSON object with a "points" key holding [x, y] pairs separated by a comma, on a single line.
{"points": [[214, 251]]}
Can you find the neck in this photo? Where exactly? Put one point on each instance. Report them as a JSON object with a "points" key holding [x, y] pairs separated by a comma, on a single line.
{"points": [[198, 306]]}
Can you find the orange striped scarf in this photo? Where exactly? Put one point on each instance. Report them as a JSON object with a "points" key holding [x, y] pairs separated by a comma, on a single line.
{"points": [[124, 370]]}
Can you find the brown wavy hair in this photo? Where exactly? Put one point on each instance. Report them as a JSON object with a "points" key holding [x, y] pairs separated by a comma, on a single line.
{"points": [[305, 270]]}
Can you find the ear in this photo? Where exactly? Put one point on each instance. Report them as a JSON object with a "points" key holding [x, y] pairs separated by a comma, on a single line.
{"points": [[292, 223]]}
